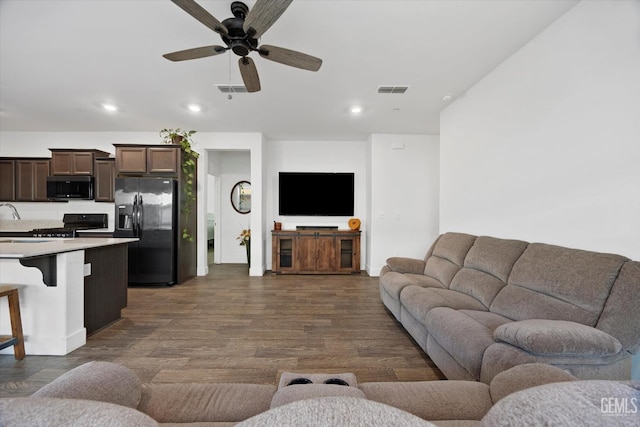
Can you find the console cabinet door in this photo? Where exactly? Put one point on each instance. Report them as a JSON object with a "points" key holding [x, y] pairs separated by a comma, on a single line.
{"points": [[306, 252]]}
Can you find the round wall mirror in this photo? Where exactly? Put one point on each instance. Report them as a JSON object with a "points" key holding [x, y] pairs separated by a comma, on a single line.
{"points": [[241, 197]]}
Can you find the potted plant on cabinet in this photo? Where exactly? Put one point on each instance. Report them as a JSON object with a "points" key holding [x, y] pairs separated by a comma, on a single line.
{"points": [[189, 157]]}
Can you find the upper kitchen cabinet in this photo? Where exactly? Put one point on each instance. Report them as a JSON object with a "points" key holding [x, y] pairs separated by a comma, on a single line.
{"points": [[24, 179], [7, 180], [105, 179], [74, 162], [31, 180], [153, 160]]}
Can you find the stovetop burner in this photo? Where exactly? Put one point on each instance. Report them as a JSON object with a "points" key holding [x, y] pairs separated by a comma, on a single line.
{"points": [[73, 223]]}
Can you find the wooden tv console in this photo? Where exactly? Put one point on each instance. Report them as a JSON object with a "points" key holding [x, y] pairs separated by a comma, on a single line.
{"points": [[315, 251]]}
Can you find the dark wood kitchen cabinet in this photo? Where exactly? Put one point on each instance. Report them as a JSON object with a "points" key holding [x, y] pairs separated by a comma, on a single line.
{"points": [[74, 162], [31, 180], [7, 180], [154, 160], [105, 174], [105, 289], [315, 251], [24, 179]]}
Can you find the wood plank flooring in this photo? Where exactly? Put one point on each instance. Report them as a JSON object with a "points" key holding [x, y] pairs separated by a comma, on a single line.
{"points": [[229, 327]]}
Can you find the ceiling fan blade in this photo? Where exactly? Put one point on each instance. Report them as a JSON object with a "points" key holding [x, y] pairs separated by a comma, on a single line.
{"points": [[249, 74], [196, 52], [198, 12], [262, 16], [290, 57]]}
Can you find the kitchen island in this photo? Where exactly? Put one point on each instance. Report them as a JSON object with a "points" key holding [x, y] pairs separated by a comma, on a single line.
{"points": [[68, 288]]}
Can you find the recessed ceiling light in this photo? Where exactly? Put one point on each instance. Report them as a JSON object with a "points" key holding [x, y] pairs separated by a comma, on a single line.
{"points": [[356, 109], [109, 107], [194, 108]]}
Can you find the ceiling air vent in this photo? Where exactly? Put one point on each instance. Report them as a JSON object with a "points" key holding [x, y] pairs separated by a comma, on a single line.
{"points": [[232, 88], [392, 89]]}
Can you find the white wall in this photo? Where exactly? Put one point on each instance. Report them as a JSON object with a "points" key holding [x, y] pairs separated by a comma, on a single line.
{"points": [[313, 156], [402, 209], [547, 146]]}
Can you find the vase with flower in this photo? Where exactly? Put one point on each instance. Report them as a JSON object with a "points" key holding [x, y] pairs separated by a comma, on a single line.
{"points": [[245, 240]]}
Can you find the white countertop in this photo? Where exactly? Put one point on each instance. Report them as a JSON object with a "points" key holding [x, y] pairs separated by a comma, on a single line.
{"points": [[27, 247]]}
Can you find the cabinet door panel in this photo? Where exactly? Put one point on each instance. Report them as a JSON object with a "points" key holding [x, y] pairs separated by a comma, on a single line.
{"points": [[326, 253], [24, 180], [7, 181], [306, 252], [131, 160], [40, 174], [82, 163], [61, 164], [105, 180], [162, 160]]}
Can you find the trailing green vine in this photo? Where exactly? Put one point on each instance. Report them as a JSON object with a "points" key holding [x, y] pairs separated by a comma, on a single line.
{"points": [[189, 157]]}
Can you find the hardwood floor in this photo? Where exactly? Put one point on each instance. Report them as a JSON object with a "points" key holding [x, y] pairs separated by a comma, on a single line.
{"points": [[229, 327]]}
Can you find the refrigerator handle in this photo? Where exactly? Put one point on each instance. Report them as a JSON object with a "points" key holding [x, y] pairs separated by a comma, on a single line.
{"points": [[134, 215], [140, 215]]}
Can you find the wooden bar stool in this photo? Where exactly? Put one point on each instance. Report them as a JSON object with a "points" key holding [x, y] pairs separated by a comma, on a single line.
{"points": [[16, 339]]}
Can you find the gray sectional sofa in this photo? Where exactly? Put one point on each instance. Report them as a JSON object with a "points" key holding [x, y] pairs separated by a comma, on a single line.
{"points": [[480, 305], [107, 394]]}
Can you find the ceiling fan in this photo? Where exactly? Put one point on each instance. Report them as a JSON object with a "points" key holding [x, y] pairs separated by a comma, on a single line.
{"points": [[241, 34]]}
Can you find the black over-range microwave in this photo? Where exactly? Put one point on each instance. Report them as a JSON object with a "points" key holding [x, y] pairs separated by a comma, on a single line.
{"points": [[70, 187]]}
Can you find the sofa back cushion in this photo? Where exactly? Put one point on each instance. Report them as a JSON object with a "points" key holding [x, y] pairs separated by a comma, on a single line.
{"points": [[447, 256], [557, 283], [487, 267]]}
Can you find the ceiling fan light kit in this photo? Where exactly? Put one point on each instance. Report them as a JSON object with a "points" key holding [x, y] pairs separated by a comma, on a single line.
{"points": [[240, 34]]}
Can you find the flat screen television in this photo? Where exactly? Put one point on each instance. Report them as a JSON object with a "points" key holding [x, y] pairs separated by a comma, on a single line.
{"points": [[316, 193]]}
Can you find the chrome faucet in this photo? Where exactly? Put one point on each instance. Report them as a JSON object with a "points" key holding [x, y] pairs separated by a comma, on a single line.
{"points": [[14, 211]]}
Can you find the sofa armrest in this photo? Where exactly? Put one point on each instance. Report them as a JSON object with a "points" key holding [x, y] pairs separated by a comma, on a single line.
{"points": [[99, 381], [526, 376], [406, 265], [543, 337]]}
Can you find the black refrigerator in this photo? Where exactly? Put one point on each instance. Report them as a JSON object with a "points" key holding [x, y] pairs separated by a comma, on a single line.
{"points": [[147, 208]]}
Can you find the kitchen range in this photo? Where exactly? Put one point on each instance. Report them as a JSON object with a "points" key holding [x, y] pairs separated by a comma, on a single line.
{"points": [[72, 223]]}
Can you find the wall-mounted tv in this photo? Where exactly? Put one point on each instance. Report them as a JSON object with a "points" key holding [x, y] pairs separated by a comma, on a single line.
{"points": [[316, 193]]}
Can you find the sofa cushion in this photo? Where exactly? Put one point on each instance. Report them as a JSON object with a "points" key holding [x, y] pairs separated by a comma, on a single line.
{"points": [[448, 256], [393, 283], [552, 282], [575, 403], [334, 411], [433, 400], [464, 334], [557, 338], [487, 267], [293, 393], [419, 301], [192, 403], [101, 381], [49, 411]]}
